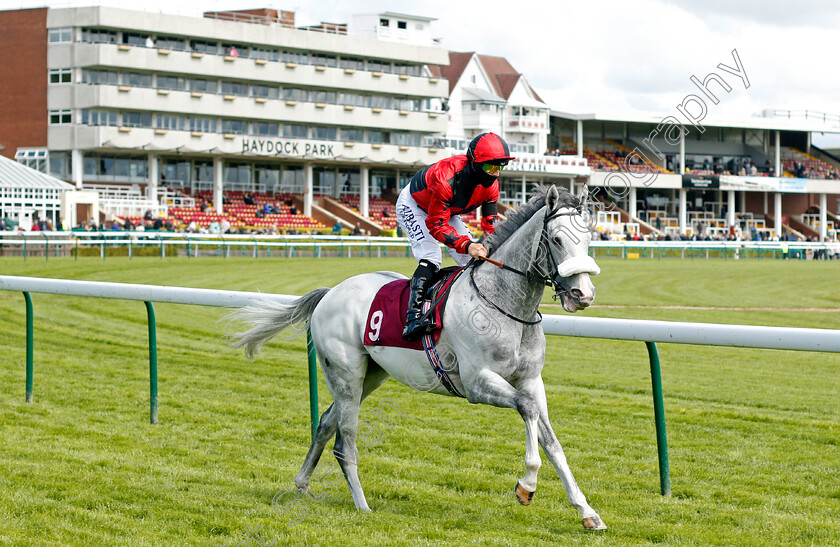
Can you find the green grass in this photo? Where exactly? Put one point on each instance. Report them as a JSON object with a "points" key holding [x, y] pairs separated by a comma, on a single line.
{"points": [[754, 435]]}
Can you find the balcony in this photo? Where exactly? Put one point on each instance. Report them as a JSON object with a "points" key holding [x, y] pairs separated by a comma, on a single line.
{"points": [[92, 138], [528, 124]]}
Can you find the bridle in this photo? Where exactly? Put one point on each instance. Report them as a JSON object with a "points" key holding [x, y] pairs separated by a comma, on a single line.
{"points": [[548, 280]]}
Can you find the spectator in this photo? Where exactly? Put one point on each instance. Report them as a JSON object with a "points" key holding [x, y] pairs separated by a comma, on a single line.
{"points": [[336, 230], [191, 228], [259, 213], [233, 52], [248, 198], [215, 228], [267, 209], [128, 225], [158, 224], [147, 215], [150, 42], [357, 230], [168, 226], [225, 226], [293, 210]]}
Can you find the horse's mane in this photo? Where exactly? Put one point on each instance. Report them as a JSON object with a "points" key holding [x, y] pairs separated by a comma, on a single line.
{"points": [[522, 213]]}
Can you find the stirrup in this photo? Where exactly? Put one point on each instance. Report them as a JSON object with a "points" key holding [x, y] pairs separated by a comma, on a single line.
{"points": [[415, 327]]}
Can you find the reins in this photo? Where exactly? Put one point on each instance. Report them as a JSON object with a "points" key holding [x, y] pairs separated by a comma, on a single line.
{"points": [[542, 278]]}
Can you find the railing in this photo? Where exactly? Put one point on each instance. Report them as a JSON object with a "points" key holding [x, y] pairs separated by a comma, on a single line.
{"points": [[189, 245], [650, 332]]}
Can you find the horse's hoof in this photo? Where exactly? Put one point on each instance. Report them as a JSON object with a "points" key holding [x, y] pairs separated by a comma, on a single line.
{"points": [[594, 523], [523, 495]]}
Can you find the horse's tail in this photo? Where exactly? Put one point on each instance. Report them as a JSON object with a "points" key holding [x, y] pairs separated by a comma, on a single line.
{"points": [[268, 318]]}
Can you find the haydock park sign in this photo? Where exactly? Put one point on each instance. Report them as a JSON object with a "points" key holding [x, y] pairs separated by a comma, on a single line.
{"points": [[288, 147]]}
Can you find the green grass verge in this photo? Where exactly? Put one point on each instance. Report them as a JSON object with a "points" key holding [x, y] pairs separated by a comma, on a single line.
{"points": [[754, 435]]}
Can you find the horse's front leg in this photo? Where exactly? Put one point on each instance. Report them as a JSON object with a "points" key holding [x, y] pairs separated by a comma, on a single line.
{"points": [[591, 521], [490, 388]]}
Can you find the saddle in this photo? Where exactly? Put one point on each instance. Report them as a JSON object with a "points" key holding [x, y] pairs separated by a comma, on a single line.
{"points": [[386, 316]]}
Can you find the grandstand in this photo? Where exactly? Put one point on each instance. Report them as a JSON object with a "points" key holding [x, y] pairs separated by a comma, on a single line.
{"points": [[752, 178]]}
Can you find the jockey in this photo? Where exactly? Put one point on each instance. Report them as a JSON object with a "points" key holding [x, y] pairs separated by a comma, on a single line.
{"points": [[428, 212]]}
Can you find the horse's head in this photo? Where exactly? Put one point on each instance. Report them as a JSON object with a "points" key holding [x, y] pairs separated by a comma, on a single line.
{"points": [[564, 250]]}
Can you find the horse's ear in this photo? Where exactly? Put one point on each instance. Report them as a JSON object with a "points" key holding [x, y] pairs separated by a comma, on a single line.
{"points": [[552, 197], [583, 196]]}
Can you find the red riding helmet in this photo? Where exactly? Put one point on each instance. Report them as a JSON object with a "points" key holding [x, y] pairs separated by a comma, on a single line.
{"points": [[489, 147]]}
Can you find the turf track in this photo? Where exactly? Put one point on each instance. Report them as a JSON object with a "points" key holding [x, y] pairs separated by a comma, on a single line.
{"points": [[754, 434]]}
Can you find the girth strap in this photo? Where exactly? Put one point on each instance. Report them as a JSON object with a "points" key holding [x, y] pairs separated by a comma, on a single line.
{"points": [[434, 361]]}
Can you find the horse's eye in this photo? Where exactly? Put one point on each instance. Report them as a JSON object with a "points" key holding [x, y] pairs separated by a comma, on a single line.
{"points": [[557, 240]]}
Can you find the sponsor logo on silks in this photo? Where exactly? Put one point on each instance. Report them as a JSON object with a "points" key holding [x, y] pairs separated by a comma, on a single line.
{"points": [[413, 229]]}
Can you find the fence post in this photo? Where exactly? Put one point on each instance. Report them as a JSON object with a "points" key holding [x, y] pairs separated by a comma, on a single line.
{"points": [[153, 380], [24, 246], [313, 382], [30, 347], [659, 416], [46, 247]]}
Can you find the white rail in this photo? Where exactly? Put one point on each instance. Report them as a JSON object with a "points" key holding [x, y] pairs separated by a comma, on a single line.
{"points": [[709, 334]]}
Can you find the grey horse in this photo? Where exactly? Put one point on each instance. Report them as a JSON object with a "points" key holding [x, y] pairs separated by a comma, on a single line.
{"points": [[492, 345]]}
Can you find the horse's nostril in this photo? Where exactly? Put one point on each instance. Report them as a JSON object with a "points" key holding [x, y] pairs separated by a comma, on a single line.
{"points": [[577, 293]]}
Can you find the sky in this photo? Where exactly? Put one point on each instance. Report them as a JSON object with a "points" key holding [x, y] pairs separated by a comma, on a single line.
{"points": [[614, 56]]}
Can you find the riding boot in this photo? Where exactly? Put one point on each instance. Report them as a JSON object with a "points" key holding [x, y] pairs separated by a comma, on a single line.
{"points": [[417, 295]]}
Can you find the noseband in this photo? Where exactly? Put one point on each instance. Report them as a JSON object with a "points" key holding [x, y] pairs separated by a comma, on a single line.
{"points": [[568, 267]]}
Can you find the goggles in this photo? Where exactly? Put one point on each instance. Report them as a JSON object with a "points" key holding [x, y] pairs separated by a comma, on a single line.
{"points": [[492, 169]]}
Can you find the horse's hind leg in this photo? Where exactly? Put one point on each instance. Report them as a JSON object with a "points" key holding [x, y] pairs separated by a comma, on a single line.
{"points": [[375, 376], [554, 451]]}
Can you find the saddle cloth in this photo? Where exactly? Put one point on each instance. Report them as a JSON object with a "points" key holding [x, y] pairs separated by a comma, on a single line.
{"points": [[386, 317]]}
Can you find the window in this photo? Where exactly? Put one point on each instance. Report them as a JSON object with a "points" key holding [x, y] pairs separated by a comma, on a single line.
{"points": [[171, 82], [327, 97], [200, 46], [137, 119], [378, 137], [402, 25], [323, 133], [472, 78], [267, 177], [167, 121], [235, 50], [99, 36], [99, 117], [294, 94], [134, 39], [324, 60], [265, 54], [265, 129], [170, 42], [205, 125], [265, 91], [61, 35], [235, 88], [60, 165], [237, 172], [203, 86], [380, 101], [384, 22], [60, 117], [294, 130], [351, 134], [135, 79], [295, 57], [100, 77], [379, 66], [407, 104], [60, 75], [203, 171], [409, 70], [236, 127], [352, 99], [352, 62], [405, 139]]}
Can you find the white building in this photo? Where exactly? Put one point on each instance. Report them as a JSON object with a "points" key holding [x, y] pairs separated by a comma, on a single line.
{"points": [[394, 27], [230, 101], [487, 94]]}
